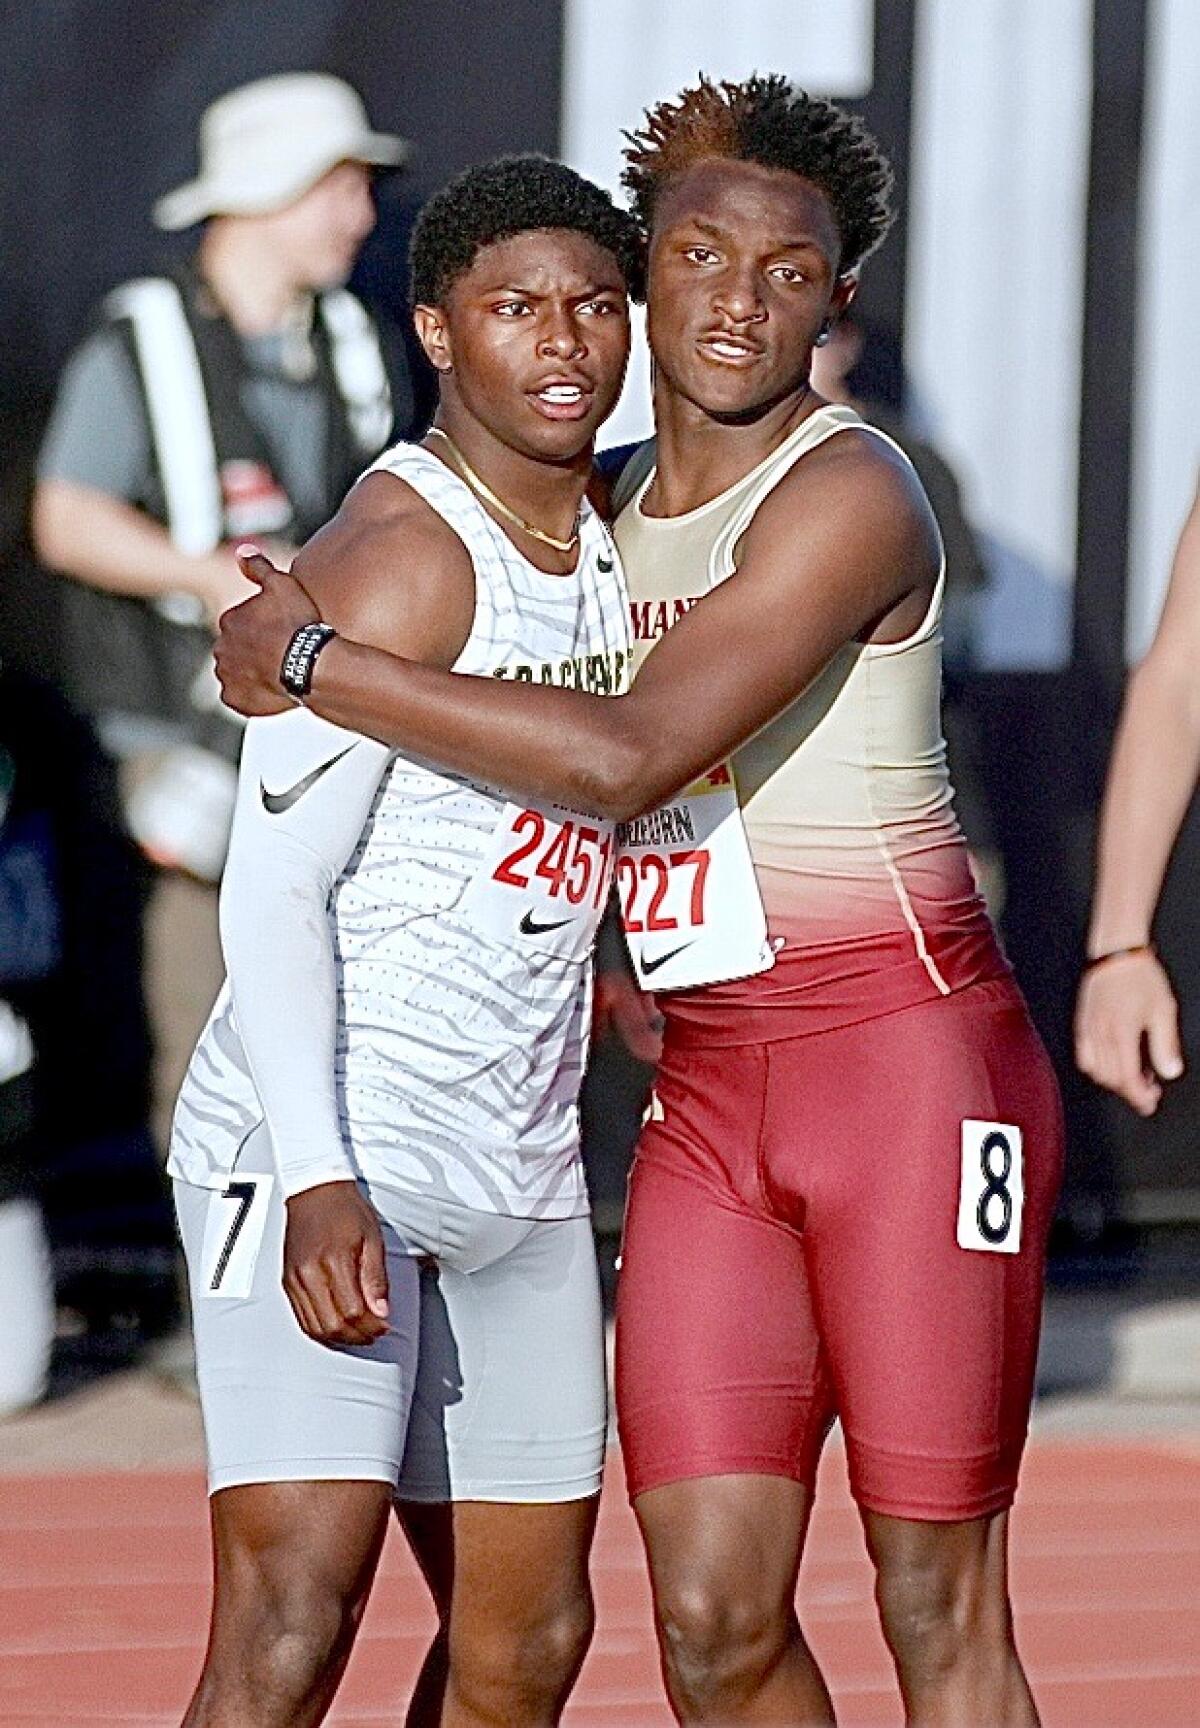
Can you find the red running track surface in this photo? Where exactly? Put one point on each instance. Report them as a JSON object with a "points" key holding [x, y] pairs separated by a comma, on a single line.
{"points": [[104, 1584]]}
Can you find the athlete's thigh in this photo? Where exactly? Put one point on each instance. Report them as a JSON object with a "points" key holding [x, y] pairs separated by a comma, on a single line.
{"points": [[728, 1545], [492, 1565], [278, 1406], [279, 1544], [510, 1402], [926, 1237], [719, 1367], [968, 1556]]}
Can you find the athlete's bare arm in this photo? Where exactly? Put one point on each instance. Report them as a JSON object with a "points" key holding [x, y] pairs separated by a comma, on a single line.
{"points": [[845, 547], [388, 571], [1127, 1019]]}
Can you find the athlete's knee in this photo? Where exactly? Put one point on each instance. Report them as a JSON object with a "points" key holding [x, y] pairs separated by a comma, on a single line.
{"points": [[306, 1633], [521, 1672], [937, 1610], [277, 1638], [718, 1643]]}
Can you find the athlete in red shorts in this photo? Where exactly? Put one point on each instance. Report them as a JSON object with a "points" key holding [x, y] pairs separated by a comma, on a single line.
{"points": [[841, 1199]]}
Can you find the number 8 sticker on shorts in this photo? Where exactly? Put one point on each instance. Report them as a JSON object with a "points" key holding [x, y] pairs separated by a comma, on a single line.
{"points": [[991, 1197]]}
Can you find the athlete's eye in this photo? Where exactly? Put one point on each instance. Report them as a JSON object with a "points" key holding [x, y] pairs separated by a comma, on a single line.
{"points": [[511, 308], [602, 308], [700, 255], [788, 273]]}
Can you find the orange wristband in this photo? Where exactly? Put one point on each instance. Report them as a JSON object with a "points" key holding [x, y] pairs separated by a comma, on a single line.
{"points": [[1118, 954]]}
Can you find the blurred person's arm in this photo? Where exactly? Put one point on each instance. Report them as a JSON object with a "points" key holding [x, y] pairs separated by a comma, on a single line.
{"points": [[93, 468], [100, 540], [1127, 1018]]}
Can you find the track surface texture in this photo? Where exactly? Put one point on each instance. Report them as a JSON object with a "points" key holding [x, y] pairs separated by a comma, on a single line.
{"points": [[104, 1584]]}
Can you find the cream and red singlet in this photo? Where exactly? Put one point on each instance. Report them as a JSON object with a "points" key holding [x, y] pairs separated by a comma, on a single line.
{"points": [[857, 857]]}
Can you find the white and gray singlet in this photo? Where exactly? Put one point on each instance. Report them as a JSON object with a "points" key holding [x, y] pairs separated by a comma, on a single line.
{"points": [[408, 952]]}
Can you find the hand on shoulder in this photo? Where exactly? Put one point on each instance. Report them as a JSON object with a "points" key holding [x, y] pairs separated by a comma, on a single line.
{"points": [[389, 572]]}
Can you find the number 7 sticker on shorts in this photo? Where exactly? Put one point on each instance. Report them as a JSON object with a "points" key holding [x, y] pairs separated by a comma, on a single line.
{"points": [[233, 1233], [991, 1197]]}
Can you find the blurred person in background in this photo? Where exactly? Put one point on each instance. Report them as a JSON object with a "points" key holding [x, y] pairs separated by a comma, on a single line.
{"points": [[1127, 1017], [240, 394]]}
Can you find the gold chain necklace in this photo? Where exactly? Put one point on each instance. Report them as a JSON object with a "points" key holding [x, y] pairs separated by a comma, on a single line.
{"points": [[481, 486]]}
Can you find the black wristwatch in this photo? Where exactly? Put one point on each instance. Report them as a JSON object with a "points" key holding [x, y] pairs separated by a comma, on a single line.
{"points": [[296, 673]]}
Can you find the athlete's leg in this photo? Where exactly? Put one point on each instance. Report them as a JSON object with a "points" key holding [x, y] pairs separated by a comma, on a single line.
{"points": [[724, 1552], [304, 1444], [943, 1601], [502, 1468], [293, 1563], [511, 1587], [722, 1398], [925, 1235]]}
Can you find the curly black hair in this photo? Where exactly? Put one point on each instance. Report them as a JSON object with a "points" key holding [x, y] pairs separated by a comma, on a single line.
{"points": [[766, 120], [516, 195]]}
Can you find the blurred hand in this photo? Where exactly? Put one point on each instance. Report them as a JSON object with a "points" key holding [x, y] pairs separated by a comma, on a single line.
{"points": [[1127, 1029], [252, 638], [619, 1006], [334, 1268]]}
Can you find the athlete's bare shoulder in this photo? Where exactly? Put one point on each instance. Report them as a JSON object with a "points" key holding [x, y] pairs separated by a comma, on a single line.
{"points": [[858, 475], [855, 506], [390, 572]]}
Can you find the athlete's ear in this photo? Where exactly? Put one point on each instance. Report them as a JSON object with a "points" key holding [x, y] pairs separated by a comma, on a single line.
{"points": [[433, 333], [844, 290]]}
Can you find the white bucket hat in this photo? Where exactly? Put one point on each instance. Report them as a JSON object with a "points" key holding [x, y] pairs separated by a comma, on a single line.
{"points": [[264, 144]]}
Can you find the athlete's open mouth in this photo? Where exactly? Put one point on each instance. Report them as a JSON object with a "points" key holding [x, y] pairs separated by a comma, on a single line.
{"points": [[730, 350], [563, 398]]}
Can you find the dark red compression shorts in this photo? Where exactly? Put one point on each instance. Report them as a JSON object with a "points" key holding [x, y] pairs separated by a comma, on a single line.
{"points": [[834, 1225]]}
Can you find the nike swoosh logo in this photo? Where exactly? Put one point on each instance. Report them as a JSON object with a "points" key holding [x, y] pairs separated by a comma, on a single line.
{"points": [[531, 927], [275, 803], [649, 966]]}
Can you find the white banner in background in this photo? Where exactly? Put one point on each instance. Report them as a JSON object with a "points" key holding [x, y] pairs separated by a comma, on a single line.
{"points": [[1166, 431], [997, 223], [621, 56]]}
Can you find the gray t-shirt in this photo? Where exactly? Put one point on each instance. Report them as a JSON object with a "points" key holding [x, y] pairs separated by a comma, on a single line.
{"points": [[98, 435]]}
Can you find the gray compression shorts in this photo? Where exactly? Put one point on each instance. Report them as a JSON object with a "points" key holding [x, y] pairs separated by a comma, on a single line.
{"points": [[488, 1385]]}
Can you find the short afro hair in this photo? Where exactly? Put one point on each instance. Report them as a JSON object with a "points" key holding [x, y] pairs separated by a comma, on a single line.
{"points": [[516, 195], [766, 120]]}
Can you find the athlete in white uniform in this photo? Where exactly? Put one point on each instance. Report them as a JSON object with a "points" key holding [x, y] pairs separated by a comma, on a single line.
{"points": [[384, 1099]]}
